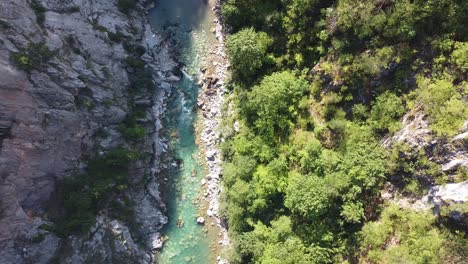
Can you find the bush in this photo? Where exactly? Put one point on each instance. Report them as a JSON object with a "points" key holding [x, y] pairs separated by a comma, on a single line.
{"points": [[39, 10], [360, 113], [307, 196], [231, 14], [142, 80], [135, 62], [126, 6], [130, 128], [141, 77], [412, 171], [402, 236], [117, 37], [459, 57], [386, 112], [444, 105], [133, 133], [130, 48], [33, 57], [451, 117]]}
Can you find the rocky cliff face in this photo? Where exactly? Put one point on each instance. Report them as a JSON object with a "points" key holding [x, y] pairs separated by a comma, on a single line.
{"points": [[57, 110], [451, 157]]}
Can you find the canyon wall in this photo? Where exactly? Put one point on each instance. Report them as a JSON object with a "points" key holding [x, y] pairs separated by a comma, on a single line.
{"points": [[65, 89]]}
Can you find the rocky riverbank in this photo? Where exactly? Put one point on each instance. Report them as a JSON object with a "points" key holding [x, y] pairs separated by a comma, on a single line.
{"points": [[210, 103], [64, 99]]}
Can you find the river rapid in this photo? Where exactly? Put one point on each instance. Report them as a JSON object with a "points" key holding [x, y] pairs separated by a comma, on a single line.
{"points": [[189, 23]]}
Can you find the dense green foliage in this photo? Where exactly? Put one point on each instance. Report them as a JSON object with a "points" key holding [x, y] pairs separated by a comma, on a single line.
{"points": [[444, 104], [272, 106], [247, 50], [386, 112], [402, 236], [33, 57], [316, 86], [411, 169]]}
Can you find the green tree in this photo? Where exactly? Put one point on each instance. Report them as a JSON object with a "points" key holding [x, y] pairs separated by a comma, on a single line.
{"points": [[247, 51], [418, 240], [278, 244], [308, 196], [273, 104], [83, 196], [459, 55], [386, 111], [301, 26], [360, 173], [444, 104]]}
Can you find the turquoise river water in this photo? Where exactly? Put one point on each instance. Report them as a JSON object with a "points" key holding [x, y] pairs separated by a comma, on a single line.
{"points": [[190, 22]]}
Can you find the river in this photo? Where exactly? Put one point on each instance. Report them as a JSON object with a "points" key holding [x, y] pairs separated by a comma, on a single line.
{"points": [[190, 22]]}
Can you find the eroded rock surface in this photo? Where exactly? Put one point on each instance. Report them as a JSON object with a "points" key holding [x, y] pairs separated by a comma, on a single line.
{"points": [[450, 153], [50, 117]]}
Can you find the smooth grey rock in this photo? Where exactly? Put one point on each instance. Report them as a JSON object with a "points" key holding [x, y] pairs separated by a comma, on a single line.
{"points": [[173, 78]]}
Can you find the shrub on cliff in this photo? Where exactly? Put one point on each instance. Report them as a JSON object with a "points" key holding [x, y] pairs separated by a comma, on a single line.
{"points": [[402, 236], [443, 102], [130, 128], [33, 57], [39, 10], [117, 37], [83, 196], [125, 6], [141, 77], [386, 112]]}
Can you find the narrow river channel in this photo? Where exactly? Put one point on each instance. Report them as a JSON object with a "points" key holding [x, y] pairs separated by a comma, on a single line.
{"points": [[190, 22]]}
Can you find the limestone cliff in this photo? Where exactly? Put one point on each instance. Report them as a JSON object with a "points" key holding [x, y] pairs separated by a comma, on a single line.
{"points": [[64, 92]]}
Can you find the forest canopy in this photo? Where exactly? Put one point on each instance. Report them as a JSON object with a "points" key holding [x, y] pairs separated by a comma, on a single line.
{"points": [[316, 87]]}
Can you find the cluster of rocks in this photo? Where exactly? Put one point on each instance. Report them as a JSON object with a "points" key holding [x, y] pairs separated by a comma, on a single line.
{"points": [[451, 154], [437, 198], [210, 102], [50, 119]]}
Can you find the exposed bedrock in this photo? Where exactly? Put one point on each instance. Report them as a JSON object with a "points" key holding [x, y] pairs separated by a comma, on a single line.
{"points": [[52, 111]]}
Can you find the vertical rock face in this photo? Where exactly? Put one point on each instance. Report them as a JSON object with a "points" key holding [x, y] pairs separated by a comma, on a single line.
{"points": [[49, 116]]}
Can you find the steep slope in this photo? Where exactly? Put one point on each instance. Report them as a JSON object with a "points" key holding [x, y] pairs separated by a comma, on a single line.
{"points": [[82, 82], [345, 131]]}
